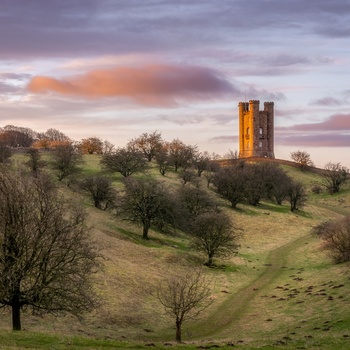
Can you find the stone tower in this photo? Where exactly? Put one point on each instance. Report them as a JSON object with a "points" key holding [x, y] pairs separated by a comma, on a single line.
{"points": [[256, 135]]}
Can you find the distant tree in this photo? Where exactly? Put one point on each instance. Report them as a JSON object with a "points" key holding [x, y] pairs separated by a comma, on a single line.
{"points": [[209, 172], [335, 177], [107, 147], [145, 202], [296, 195], [125, 161], [230, 183], [278, 189], [91, 145], [184, 295], [55, 135], [46, 256], [66, 160], [15, 136], [201, 162], [180, 155], [100, 190], [35, 163], [186, 176], [147, 143], [162, 159], [231, 154], [192, 201], [302, 158], [336, 238], [5, 153], [214, 235]]}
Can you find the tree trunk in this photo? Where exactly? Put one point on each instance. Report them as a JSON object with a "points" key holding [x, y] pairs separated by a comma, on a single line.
{"points": [[178, 331], [145, 232], [16, 311]]}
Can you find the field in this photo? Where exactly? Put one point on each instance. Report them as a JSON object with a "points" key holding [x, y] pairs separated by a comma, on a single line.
{"points": [[280, 291]]}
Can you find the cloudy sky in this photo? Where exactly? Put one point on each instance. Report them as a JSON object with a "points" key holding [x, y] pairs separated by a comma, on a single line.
{"points": [[116, 68]]}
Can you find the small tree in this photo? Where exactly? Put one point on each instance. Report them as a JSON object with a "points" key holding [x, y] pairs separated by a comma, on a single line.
{"points": [[296, 195], [5, 153], [184, 296], [201, 162], [46, 256], [91, 145], [145, 202], [336, 237], [180, 155], [302, 158], [100, 190], [148, 143], [214, 235], [125, 161], [34, 162], [334, 177], [66, 160], [162, 159]]}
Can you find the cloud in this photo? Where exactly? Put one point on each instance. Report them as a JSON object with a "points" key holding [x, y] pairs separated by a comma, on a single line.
{"points": [[326, 101], [314, 140], [155, 85], [336, 122]]}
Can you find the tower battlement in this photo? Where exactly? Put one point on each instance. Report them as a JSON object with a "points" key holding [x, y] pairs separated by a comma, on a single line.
{"points": [[256, 129]]}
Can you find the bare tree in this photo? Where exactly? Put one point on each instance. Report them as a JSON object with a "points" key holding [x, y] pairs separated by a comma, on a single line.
{"points": [[162, 159], [125, 161], [101, 191], [66, 160], [148, 143], [302, 158], [181, 155], [334, 177], [46, 256], [336, 237], [215, 235], [145, 202], [35, 163], [184, 296], [5, 153], [296, 195], [201, 162]]}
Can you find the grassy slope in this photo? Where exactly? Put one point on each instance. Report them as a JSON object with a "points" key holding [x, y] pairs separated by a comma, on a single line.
{"points": [[281, 288]]}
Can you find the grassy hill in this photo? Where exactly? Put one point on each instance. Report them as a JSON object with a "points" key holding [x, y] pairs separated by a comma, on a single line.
{"points": [[281, 288]]}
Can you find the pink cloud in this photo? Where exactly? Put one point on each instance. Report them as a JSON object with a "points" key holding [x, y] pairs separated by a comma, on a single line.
{"points": [[323, 140], [148, 85], [336, 122]]}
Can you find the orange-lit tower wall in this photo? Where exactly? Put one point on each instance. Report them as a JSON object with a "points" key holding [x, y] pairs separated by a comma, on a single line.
{"points": [[256, 130]]}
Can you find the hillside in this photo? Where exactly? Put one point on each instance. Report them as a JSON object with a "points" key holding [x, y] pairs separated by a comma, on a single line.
{"points": [[281, 288]]}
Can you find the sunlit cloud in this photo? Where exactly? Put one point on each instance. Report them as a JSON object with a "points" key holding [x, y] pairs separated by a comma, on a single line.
{"points": [[314, 140], [161, 85], [327, 101]]}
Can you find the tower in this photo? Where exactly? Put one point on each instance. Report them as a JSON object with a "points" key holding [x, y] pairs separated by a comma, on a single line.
{"points": [[256, 134]]}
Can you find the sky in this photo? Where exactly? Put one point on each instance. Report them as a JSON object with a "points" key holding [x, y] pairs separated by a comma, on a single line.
{"points": [[115, 69]]}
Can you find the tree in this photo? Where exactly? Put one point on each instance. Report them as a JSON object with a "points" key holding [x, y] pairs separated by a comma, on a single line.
{"points": [[162, 159], [5, 153], [334, 177], [210, 171], [296, 195], [184, 296], [201, 162], [15, 136], [230, 183], [66, 160], [100, 190], [148, 143], [302, 158], [125, 161], [180, 155], [336, 237], [46, 256], [91, 145], [187, 176], [34, 162], [214, 235], [145, 202]]}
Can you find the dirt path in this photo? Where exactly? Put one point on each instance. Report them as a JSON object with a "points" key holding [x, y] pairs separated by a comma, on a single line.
{"points": [[233, 310]]}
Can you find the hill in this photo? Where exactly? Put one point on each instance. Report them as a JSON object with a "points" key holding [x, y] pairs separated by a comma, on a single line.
{"points": [[281, 288]]}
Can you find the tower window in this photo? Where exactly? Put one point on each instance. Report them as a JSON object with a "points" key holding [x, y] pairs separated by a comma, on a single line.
{"points": [[248, 131], [260, 131], [260, 144]]}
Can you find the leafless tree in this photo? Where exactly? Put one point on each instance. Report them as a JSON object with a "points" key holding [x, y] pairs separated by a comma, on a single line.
{"points": [[100, 189], [215, 235], [66, 160], [5, 153], [125, 161], [46, 256], [296, 195], [184, 295], [35, 163], [336, 237], [145, 202], [335, 177], [180, 154], [201, 162], [147, 143], [302, 158]]}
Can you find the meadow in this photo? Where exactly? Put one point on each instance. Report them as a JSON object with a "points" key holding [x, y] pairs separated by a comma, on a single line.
{"points": [[280, 291]]}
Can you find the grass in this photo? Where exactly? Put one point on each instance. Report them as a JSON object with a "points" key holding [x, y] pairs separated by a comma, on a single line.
{"points": [[253, 306]]}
